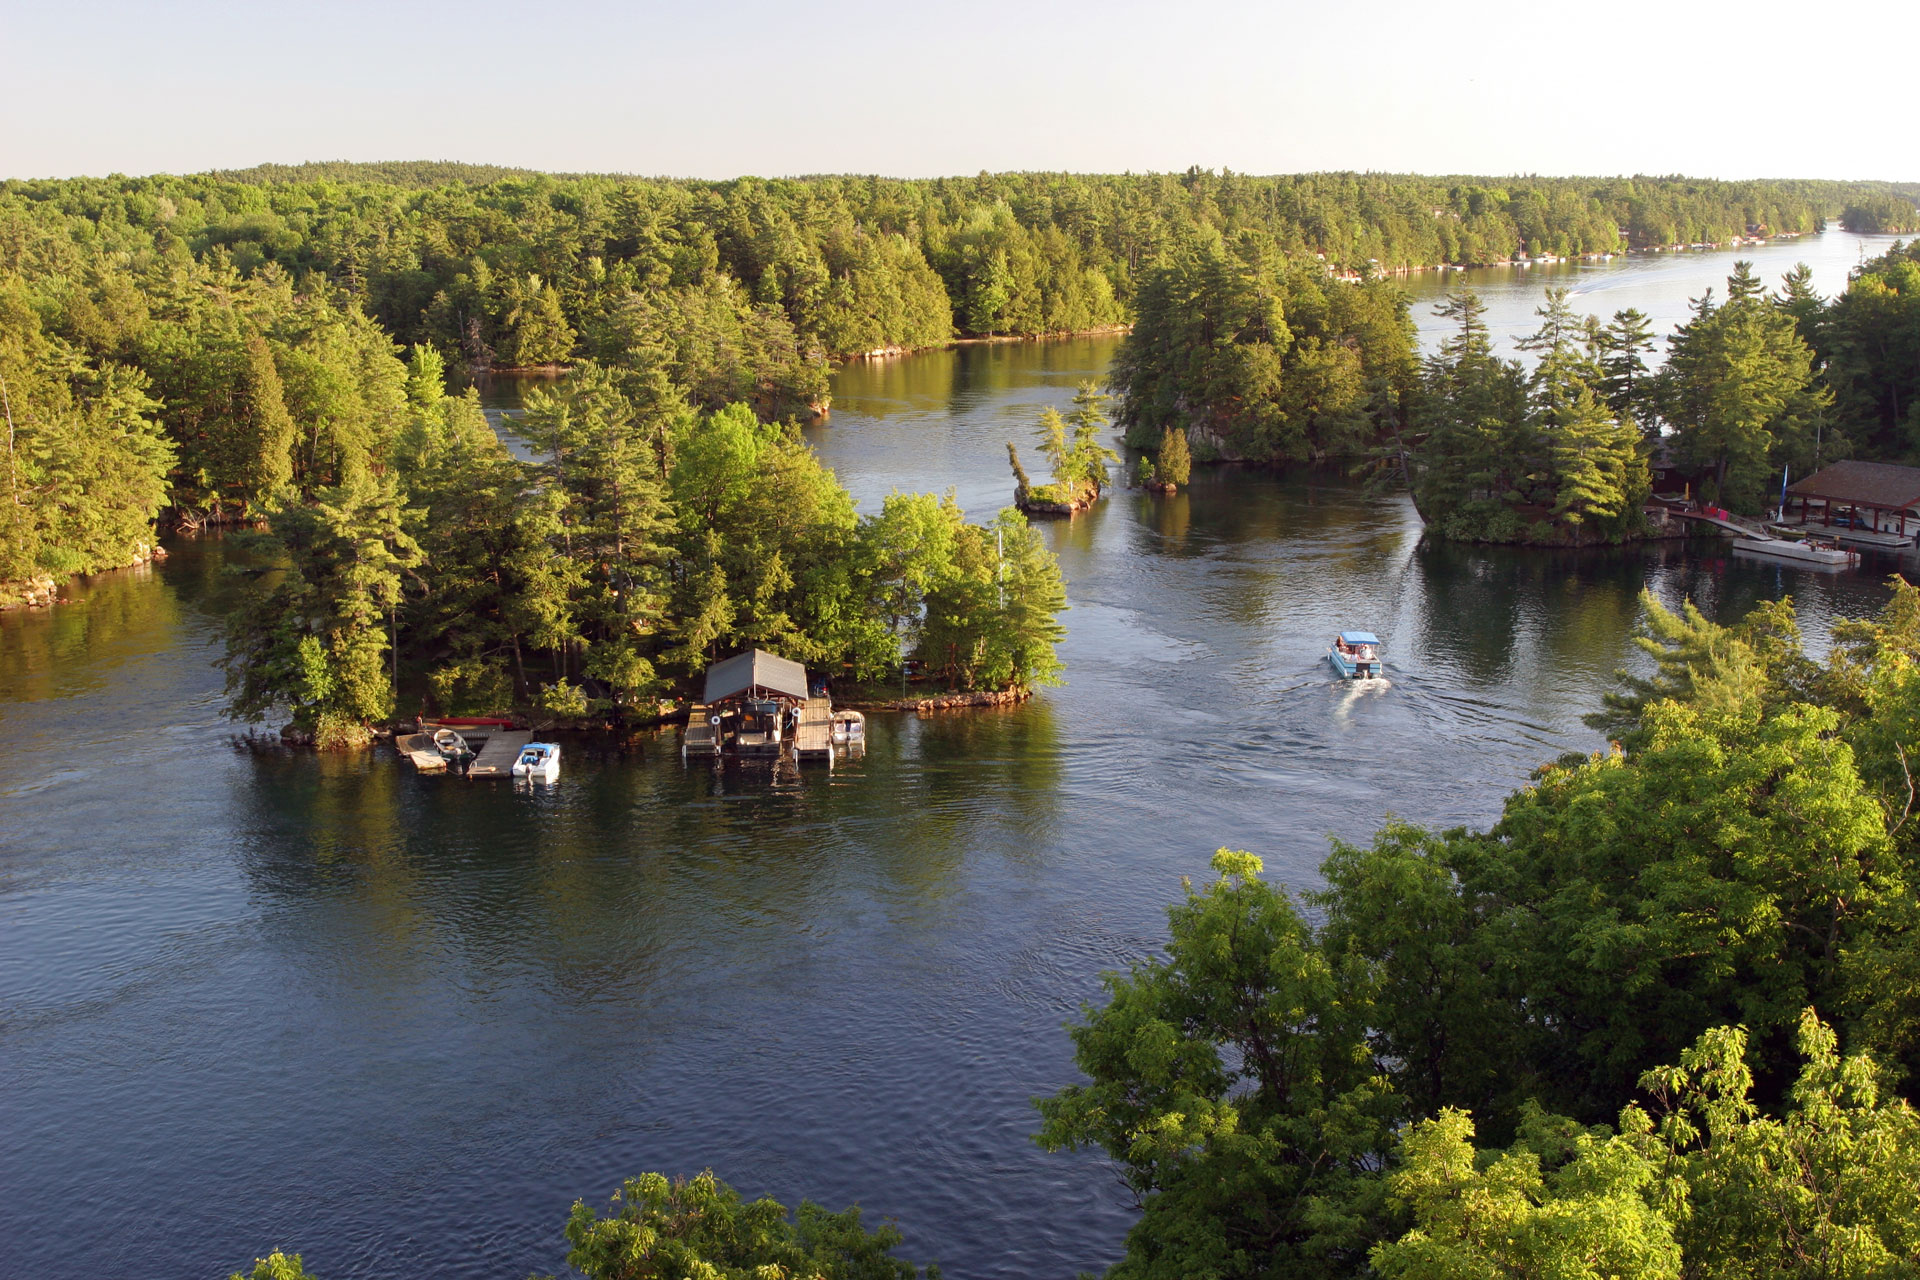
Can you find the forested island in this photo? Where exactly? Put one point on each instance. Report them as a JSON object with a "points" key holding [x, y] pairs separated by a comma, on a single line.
{"points": [[1888, 214], [1260, 357]]}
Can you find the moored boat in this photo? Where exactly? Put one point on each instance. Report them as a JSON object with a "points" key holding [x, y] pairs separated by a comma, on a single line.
{"points": [[539, 762], [452, 747], [1807, 551], [1355, 655], [849, 726]]}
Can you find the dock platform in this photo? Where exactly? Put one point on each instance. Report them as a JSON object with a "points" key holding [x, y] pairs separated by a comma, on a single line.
{"points": [[814, 741], [699, 738], [419, 749], [497, 755]]}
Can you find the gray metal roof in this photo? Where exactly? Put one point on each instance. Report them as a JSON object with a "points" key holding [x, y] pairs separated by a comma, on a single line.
{"points": [[755, 669], [1867, 484]]}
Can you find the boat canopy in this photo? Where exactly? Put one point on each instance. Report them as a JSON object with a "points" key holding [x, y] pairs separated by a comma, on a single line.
{"points": [[1360, 637], [756, 672]]}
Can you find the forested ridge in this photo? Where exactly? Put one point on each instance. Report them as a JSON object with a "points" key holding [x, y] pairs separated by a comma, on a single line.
{"points": [[194, 344]]}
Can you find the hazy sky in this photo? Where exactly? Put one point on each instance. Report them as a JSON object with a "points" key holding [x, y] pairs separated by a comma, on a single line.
{"points": [[718, 89]]}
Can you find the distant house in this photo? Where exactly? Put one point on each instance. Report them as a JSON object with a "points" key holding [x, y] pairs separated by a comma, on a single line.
{"points": [[1859, 495]]}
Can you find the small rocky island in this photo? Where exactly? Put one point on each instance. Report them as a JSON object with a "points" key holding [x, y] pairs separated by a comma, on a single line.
{"points": [[1078, 460]]}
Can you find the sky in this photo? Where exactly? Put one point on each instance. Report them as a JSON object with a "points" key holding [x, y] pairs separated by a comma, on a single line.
{"points": [[717, 89]]}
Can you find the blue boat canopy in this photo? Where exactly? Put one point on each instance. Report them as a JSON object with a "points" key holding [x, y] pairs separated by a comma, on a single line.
{"points": [[1360, 637]]}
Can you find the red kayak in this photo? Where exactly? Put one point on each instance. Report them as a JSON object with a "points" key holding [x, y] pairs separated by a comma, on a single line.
{"points": [[493, 722]]}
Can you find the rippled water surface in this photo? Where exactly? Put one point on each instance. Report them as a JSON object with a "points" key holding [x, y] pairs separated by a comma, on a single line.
{"points": [[400, 1023]]}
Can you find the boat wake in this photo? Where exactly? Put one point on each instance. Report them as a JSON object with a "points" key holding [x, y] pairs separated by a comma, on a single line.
{"points": [[1356, 690]]}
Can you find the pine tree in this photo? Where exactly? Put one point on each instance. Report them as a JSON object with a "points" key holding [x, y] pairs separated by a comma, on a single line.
{"points": [[1623, 346], [1053, 447], [1174, 464], [314, 639], [1600, 476], [1022, 487], [269, 430]]}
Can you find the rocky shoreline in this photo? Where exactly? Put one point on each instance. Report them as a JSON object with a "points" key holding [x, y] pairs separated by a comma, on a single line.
{"points": [[931, 702], [44, 592]]}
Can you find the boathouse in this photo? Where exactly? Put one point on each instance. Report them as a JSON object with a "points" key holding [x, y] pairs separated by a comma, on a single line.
{"points": [[752, 706], [1876, 497], [756, 676]]}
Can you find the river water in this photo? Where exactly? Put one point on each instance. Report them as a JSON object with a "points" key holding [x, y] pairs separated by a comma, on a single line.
{"points": [[400, 1023]]}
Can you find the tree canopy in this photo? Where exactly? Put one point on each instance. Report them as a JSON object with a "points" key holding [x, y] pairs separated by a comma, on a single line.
{"points": [[1602, 1038]]}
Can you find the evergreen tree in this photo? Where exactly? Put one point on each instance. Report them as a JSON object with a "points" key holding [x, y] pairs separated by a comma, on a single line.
{"points": [[1173, 463], [1740, 394], [1624, 344], [1085, 464], [312, 634], [1019, 649], [269, 429]]}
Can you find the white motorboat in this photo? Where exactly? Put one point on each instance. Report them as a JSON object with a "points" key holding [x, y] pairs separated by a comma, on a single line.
{"points": [[849, 726], [452, 747], [539, 762], [1814, 552]]}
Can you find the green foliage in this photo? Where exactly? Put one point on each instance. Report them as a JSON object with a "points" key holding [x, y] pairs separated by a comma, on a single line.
{"points": [[276, 1266], [1701, 1183], [1288, 1097], [86, 462], [1231, 1083], [1504, 1214], [1880, 215], [1755, 662], [1739, 395], [974, 604], [1022, 485], [312, 632], [265, 310], [1555, 456], [1173, 464], [1869, 340], [1079, 463], [1621, 348], [1085, 463], [1273, 360], [701, 1228]]}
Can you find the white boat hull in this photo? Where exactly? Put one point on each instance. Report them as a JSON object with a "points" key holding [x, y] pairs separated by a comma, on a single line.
{"points": [[538, 762], [1798, 552]]}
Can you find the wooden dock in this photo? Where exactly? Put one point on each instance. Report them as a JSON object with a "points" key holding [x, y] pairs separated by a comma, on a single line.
{"points": [[814, 741], [699, 738], [497, 755], [420, 750]]}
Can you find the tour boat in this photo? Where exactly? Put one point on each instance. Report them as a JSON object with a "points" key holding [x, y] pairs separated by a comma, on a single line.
{"points": [[1355, 655], [1809, 551], [539, 761]]}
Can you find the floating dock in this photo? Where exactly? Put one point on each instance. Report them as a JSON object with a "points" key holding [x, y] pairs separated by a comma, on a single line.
{"points": [[420, 750], [814, 741], [700, 738], [497, 755]]}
